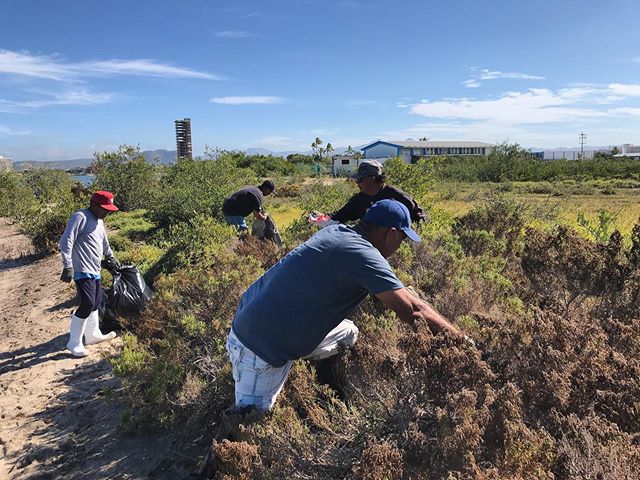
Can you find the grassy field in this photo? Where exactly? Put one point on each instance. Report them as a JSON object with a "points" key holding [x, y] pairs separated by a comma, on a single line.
{"points": [[548, 204], [551, 204]]}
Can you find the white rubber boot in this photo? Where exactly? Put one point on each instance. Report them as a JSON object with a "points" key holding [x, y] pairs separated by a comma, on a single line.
{"points": [[92, 333], [75, 337]]}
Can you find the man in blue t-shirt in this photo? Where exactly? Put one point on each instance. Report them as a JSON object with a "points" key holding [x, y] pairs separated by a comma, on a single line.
{"points": [[298, 308]]}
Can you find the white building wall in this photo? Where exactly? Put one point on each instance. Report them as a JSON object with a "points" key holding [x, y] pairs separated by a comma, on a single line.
{"points": [[350, 167]]}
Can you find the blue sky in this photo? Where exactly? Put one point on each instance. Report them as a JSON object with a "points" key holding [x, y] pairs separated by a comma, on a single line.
{"points": [[79, 76]]}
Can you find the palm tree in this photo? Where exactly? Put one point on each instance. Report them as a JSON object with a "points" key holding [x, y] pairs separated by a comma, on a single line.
{"points": [[329, 149], [318, 151]]}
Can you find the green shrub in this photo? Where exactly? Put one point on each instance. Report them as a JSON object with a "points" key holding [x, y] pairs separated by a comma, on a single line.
{"points": [[126, 173], [55, 199], [193, 243], [16, 197], [196, 187]]}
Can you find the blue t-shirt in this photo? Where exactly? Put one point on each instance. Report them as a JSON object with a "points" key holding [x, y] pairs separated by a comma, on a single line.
{"points": [[286, 313]]}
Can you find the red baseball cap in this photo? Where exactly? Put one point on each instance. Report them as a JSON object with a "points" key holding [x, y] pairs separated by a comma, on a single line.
{"points": [[105, 200]]}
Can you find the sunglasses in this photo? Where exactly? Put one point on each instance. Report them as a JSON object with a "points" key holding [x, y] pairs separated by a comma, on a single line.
{"points": [[360, 180]]}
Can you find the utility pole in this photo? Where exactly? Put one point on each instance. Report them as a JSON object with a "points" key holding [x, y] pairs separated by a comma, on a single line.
{"points": [[582, 138]]}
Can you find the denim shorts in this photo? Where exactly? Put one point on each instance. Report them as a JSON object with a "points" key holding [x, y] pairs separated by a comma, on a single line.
{"points": [[237, 220]]}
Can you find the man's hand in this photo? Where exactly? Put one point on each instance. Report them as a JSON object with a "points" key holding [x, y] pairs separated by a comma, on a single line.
{"points": [[411, 308], [113, 262], [67, 275], [320, 219], [260, 215]]}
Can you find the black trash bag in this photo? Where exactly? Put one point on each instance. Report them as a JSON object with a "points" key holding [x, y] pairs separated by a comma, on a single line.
{"points": [[266, 230], [128, 296]]}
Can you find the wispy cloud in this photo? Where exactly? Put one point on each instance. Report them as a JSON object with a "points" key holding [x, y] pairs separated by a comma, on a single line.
{"points": [[250, 15], [636, 60], [486, 74], [235, 34], [359, 103], [71, 97], [52, 67], [471, 83], [4, 130], [247, 100]]}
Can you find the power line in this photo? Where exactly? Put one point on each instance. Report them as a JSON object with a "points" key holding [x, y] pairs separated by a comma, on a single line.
{"points": [[582, 136]]}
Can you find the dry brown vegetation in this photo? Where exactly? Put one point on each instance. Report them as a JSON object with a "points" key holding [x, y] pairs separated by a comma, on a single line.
{"points": [[552, 391]]}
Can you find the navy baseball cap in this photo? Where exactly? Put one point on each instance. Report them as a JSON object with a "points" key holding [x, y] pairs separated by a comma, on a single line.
{"points": [[391, 213]]}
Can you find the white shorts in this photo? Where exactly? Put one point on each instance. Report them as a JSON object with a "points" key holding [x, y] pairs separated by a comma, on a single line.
{"points": [[259, 383]]}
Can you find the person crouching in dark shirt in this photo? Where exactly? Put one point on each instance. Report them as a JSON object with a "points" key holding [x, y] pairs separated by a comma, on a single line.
{"points": [[370, 179]]}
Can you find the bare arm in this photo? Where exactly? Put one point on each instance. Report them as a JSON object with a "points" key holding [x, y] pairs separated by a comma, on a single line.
{"points": [[410, 308]]}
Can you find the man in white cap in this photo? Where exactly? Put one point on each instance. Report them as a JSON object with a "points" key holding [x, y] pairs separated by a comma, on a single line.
{"points": [[298, 308], [83, 244], [371, 181]]}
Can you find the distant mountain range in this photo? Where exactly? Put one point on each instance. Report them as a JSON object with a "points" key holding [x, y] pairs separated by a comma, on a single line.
{"points": [[163, 157], [166, 157]]}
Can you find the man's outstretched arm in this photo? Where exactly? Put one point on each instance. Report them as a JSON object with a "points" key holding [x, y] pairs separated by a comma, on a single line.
{"points": [[410, 308]]}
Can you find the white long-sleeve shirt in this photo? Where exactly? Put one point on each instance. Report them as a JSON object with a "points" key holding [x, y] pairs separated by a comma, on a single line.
{"points": [[84, 243]]}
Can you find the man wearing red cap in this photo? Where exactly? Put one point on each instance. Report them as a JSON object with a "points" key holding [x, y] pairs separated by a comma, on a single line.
{"points": [[83, 244]]}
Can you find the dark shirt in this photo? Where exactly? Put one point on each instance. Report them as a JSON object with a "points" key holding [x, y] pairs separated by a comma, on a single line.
{"points": [[286, 313], [358, 205], [243, 202]]}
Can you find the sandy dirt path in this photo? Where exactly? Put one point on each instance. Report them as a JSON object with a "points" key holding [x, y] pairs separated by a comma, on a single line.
{"points": [[59, 415]]}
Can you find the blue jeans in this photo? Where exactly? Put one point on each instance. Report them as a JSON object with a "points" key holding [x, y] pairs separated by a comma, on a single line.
{"points": [[237, 220]]}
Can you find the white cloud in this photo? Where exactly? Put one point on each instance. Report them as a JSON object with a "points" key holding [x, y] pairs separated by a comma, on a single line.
{"points": [[625, 111], [471, 83], [537, 105], [625, 89], [4, 130], [247, 100], [534, 117], [486, 74], [251, 15], [235, 34], [55, 68], [71, 97]]}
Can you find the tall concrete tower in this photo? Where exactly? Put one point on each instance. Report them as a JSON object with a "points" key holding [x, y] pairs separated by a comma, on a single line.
{"points": [[183, 138]]}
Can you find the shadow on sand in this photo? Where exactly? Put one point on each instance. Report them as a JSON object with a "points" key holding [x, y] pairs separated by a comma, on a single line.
{"points": [[8, 264], [52, 350], [83, 438]]}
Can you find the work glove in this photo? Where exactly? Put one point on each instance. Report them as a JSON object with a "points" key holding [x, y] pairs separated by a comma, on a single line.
{"points": [[112, 263], [320, 219], [66, 275], [470, 341]]}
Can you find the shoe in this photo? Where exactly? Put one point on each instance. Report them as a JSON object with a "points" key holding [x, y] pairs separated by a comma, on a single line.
{"points": [[75, 337], [92, 333]]}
